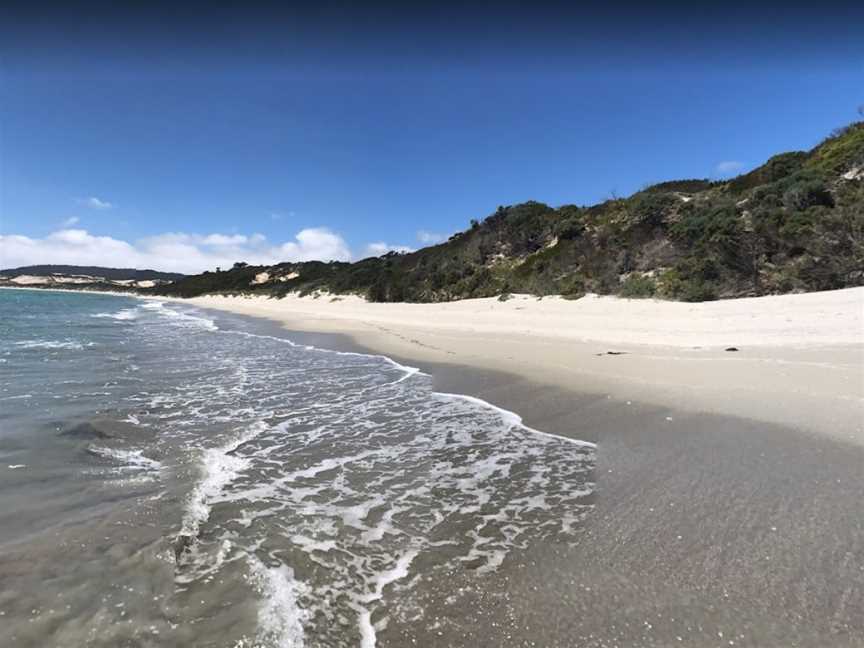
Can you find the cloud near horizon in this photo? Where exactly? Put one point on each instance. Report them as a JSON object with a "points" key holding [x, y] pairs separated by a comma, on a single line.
{"points": [[170, 252], [380, 247], [430, 238], [728, 167], [95, 203]]}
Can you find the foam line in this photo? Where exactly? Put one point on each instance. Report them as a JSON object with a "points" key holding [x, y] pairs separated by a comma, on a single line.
{"points": [[507, 415], [512, 417]]}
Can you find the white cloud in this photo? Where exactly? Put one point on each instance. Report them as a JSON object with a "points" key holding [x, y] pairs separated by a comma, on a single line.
{"points": [[728, 167], [430, 238], [316, 244], [72, 220], [95, 203], [171, 251], [379, 248], [222, 239]]}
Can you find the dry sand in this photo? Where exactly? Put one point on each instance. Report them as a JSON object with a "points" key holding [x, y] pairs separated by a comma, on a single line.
{"points": [[729, 493]]}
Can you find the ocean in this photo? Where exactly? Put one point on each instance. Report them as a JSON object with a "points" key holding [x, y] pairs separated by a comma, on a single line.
{"points": [[170, 477]]}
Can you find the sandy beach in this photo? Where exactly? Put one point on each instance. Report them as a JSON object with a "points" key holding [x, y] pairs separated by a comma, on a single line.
{"points": [[729, 499], [799, 360]]}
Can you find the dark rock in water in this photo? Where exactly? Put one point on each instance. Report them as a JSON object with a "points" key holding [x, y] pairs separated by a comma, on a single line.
{"points": [[181, 546], [85, 431], [731, 348], [613, 353]]}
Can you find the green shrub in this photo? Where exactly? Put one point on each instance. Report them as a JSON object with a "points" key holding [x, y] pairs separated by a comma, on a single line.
{"points": [[689, 288], [844, 149], [807, 193], [777, 167], [682, 186], [638, 287], [650, 209]]}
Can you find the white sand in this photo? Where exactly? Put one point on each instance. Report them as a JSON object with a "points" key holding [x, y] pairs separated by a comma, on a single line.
{"points": [[800, 360], [30, 280]]}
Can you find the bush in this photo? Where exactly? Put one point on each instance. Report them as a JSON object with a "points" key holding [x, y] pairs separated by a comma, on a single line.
{"points": [[674, 285], [807, 193], [573, 287], [638, 287], [776, 168], [650, 209], [682, 186]]}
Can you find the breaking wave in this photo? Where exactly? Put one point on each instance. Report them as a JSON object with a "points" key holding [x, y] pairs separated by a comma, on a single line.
{"points": [[49, 344]]}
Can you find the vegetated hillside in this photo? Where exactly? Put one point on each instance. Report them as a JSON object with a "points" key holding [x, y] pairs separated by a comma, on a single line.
{"points": [[796, 223], [115, 274]]}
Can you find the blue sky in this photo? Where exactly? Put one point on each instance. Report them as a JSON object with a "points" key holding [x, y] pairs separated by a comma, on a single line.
{"points": [[192, 147]]}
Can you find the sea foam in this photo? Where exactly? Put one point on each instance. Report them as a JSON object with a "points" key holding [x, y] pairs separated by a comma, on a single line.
{"points": [[49, 344], [280, 617]]}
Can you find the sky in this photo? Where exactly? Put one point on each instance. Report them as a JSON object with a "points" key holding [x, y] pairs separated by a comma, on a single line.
{"points": [[188, 138]]}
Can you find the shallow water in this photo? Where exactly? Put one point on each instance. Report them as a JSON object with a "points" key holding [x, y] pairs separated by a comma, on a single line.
{"points": [[168, 479]]}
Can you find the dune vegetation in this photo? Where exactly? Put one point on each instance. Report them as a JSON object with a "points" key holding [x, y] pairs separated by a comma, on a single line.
{"points": [[794, 224]]}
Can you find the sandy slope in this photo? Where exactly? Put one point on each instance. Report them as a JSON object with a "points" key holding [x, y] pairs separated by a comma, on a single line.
{"points": [[800, 358]]}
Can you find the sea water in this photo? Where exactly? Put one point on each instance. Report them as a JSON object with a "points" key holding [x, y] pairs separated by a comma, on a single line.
{"points": [[173, 478]]}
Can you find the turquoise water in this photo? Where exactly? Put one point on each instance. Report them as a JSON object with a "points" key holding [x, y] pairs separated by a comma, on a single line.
{"points": [[169, 477]]}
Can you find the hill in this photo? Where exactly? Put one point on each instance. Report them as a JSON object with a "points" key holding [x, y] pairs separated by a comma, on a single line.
{"points": [[794, 224], [97, 272]]}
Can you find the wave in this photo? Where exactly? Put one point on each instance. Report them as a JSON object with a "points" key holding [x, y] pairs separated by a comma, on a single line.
{"points": [[280, 617], [511, 418], [382, 579], [131, 459], [49, 344], [408, 370], [124, 314], [175, 316], [350, 499], [185, 320], [507, 416], [219, 467]]}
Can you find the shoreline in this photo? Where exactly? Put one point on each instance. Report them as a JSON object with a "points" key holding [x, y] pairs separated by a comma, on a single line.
{"points": [[816, 387]]}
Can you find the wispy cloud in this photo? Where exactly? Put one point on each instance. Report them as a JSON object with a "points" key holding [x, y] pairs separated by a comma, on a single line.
{"points": [[430, 238], [728, 167], [177, 251], [69, 222], [380, 247], [95, 203]]}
